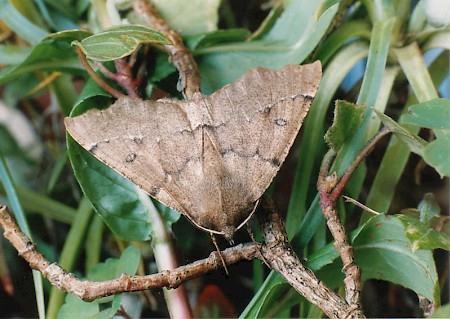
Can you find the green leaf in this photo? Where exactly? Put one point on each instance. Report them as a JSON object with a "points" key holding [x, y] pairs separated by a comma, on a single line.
{"points": [[428, 208], [163, 68], [113, 268], [9, 146], [71, 250], [119, 42], [214, 38], [18, 213], [69, 35], [91, 96], [48, 55], [13, 54], [325, 6], [114, 197], [437, 153], [273, 282], [434, 114], [74, 307], [422, 236], [359, 29], [60, 15], [312, 143], [415, 143], [269, 20], [397, 153], [280, 298], [23, 27], [384, 251], [189, 17], [221, 65], [442, 312], [347, 118], [382, 33]]}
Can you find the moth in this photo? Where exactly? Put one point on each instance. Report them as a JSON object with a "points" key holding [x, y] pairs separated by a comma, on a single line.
{"points": [[210, 158]]}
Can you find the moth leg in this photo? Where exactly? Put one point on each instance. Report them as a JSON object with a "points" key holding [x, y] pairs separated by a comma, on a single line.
{"points": [[213, 238], [252, 237]]}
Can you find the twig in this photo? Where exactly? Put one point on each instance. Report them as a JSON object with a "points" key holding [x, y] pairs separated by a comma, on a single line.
{"points": [[360, 205], [105, 86], [90, 290], [330, 188], [179, 55], [337, 191], [278, 253], [123, 75], [352, 272]]}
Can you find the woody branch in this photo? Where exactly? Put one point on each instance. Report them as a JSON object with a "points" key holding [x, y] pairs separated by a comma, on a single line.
{"points": [[90, 290], [179, 55], [279, 255], [276, 252], [330, 187]]}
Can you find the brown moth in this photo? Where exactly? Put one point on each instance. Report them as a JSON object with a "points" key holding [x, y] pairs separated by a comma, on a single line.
{"points": [[210, 158]]}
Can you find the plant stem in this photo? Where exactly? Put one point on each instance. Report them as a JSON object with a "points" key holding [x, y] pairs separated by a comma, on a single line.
{"points": [[179, 55], [330, 188], [105, 86]]}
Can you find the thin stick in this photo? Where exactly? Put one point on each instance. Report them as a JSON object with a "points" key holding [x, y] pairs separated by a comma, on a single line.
{"points": [[179, 55], [360, 205], [330, 188], [337, 191], [89, 290], [105, 86], [352, 272], [124, 77], [276, 252]]}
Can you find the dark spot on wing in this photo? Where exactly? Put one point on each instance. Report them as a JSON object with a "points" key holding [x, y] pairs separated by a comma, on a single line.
{"points": [[154, 191], [93, 149], [130, 158], [138, 140], [280, 122], [274, 161]]}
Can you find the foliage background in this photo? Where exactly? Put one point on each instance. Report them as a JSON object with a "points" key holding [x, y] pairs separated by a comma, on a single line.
{"points": [[387, 54]]}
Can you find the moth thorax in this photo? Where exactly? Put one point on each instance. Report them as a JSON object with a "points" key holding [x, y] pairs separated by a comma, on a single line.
{"points": [[223, 204]]}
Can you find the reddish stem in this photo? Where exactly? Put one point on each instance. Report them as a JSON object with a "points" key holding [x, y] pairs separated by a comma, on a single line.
{"points": [[105, 86]]}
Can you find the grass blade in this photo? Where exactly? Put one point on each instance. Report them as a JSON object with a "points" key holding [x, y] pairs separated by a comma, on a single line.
{"points": [[69, 254], [397, 154], [16, 208], [312, 134]]}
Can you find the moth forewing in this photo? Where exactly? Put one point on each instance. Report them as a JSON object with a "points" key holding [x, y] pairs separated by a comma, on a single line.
{"points": [[210, 158]]}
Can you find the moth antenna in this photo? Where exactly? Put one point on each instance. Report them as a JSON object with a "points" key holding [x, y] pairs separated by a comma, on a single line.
{"points": [[213, 238], [252, 237]]}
